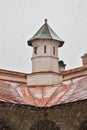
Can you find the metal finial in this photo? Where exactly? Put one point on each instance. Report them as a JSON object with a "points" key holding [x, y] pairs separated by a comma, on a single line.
{"points": [[45, 20]]}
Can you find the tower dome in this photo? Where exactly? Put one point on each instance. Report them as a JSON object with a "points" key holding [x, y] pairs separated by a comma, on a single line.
{"points": [[46, 32]]}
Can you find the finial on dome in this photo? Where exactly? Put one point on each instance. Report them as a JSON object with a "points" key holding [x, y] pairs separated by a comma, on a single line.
{"points": [[45, 20]]}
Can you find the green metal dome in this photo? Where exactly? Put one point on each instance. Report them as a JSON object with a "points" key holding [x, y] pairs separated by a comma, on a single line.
{"points": [[45, 32]]}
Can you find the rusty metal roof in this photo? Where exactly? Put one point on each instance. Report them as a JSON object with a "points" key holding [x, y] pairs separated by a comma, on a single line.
{"points": [[44, 96], [46, 32]]}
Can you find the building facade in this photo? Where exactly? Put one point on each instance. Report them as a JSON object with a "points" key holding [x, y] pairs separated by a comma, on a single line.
{"points": [[50, 98]]}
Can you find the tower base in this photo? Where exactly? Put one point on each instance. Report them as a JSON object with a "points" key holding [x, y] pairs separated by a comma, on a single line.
{"points": [[44, 78]]}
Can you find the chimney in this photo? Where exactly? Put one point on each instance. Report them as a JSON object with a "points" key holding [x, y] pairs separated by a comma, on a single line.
{"points": [[84, 60], [61, 66]]}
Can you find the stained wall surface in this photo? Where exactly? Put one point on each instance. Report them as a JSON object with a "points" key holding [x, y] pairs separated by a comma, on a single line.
{"points": [[69, 116]]}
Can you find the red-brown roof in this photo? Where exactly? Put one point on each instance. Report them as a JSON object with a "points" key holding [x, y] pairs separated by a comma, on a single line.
{"points": [[75, 70], [44, 96], [10, 72]]}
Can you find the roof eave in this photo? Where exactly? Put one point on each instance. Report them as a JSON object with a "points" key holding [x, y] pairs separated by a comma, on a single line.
{"points": [[30, 41], [61, 43]]}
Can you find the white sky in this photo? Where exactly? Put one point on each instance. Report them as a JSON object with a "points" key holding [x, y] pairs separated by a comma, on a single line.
{"points": [[20, 19]]}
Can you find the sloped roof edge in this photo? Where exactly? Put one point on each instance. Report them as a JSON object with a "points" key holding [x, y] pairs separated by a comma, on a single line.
{"points": [[46, 32], [74, 70], [15, 73]]}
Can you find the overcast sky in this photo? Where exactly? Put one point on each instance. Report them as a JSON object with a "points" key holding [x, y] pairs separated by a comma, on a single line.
{"points": [[20, 19]]}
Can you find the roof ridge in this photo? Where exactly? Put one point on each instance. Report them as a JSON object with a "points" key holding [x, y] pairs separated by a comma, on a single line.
{"points": [[48, 29]]}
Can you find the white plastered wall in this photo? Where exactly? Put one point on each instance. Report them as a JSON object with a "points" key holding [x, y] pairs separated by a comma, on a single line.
{"points": [[45, 61], [44, 79], [45, 65]]}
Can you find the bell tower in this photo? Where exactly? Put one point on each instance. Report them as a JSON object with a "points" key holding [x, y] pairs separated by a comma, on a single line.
{"points": [[45, 69]]}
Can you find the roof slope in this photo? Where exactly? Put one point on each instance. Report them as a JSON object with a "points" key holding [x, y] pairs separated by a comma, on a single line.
{"points": [[44, 96], [46, 32]]}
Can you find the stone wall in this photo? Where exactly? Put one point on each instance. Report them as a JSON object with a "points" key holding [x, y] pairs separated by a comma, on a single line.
{"points": [[70, 116]]}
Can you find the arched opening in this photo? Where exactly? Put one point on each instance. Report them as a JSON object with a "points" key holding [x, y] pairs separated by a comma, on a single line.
{"points": [[83, 126], [44, 125], [4, 125]]}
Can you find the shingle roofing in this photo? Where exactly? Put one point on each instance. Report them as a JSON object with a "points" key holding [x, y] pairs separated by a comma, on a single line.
{"points": [[46, 32]]}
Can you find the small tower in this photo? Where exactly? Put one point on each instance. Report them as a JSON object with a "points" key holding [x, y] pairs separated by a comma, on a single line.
{"points": [[45, 70]]}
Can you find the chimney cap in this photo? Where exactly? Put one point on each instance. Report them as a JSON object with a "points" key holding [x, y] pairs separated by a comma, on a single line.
{"points": [[85, 55], [61, 63]]}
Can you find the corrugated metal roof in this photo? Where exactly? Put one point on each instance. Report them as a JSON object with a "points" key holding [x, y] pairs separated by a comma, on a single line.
{"points": [[46, 32]]}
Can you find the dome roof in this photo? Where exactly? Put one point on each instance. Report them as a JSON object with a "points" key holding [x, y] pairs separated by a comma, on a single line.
{"points": [[46, 32]]}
